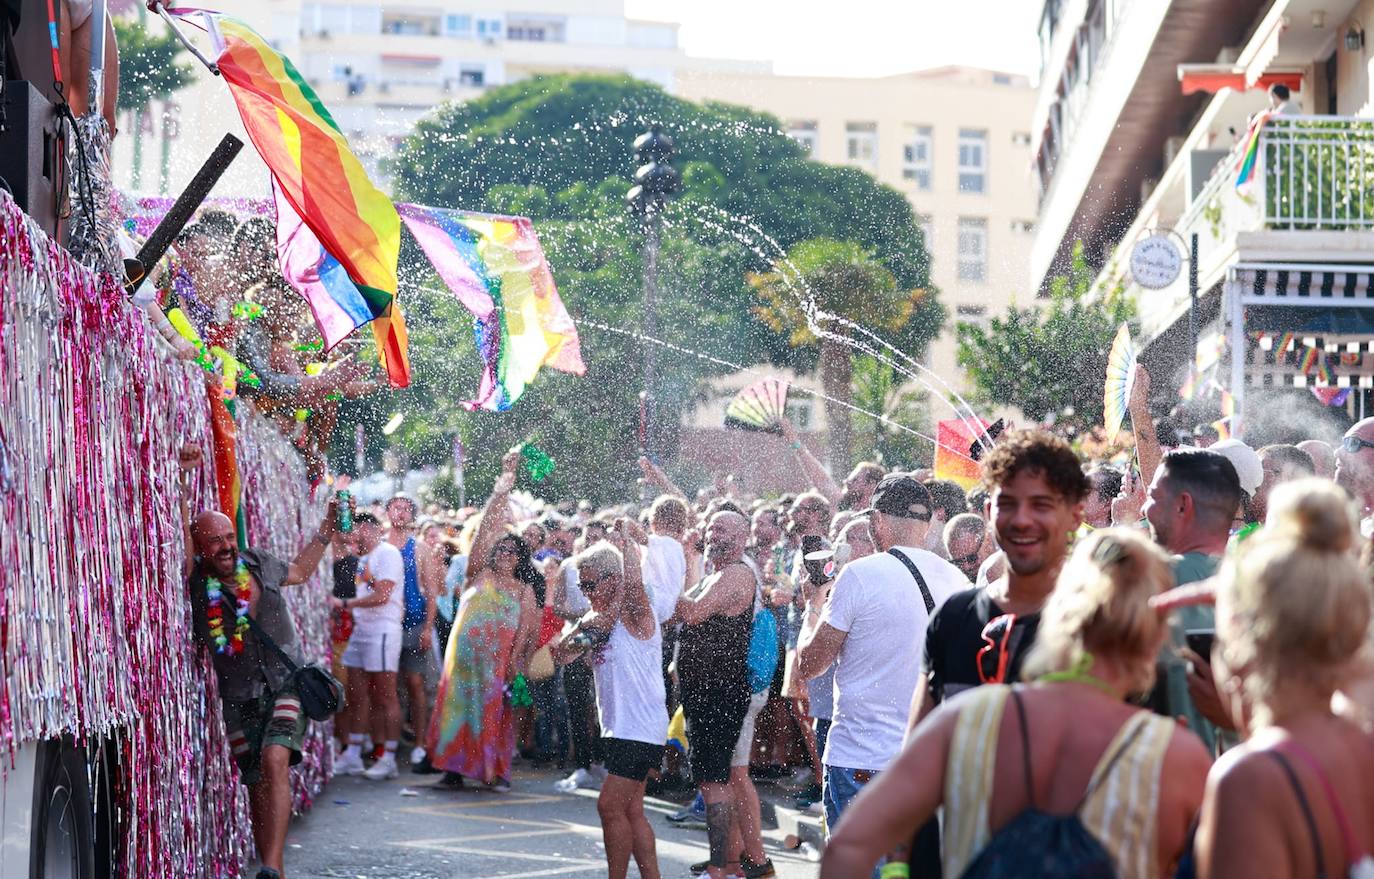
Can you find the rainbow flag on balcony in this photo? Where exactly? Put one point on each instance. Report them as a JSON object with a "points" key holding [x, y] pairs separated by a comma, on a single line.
{"points": [[1249, 157], [317, 174]]}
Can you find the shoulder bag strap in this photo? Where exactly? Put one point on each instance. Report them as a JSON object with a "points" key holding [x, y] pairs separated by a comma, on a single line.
{"points": [[267, 641], [915, 572], [1025, 746], [1306, 810]]}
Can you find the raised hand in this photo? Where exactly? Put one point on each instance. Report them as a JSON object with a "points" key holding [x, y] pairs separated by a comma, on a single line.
{"points": [[189, 457]]}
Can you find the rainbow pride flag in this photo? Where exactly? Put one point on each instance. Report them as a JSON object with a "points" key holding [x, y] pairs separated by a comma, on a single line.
{"points": [[338, 305], [496, 268], [316, 172], [1245, 167]]}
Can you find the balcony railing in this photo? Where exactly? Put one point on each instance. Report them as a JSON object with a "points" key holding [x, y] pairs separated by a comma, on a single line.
{"points": [[1318, 172]]}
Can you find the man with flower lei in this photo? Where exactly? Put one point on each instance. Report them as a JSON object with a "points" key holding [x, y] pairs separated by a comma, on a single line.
{"points": [[262, 712]]}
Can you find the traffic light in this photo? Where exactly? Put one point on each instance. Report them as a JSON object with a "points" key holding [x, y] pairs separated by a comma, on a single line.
{"points": [[655, 179]]}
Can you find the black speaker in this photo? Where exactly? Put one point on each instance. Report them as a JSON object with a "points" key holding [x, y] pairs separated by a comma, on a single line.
{"points": [[31, 158]]}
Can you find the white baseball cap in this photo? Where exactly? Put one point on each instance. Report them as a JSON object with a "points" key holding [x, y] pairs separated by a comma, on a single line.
{"points": [[1245, 460]]}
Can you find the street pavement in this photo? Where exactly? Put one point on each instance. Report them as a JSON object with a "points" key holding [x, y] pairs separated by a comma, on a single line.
{"points": [[409, 828]]}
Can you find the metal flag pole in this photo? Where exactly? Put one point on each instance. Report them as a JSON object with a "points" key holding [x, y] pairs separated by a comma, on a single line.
{"points": [[158, 7]]}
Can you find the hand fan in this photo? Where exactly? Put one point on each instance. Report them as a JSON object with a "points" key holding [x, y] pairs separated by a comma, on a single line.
{"points": [[759, 406], [1116, 395]]}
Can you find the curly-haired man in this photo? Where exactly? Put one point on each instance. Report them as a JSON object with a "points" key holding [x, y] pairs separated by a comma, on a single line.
{"points": [[1037, 488]]}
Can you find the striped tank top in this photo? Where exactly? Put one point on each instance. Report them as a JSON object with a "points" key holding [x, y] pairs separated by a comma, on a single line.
{"points": [[1120, 811]]}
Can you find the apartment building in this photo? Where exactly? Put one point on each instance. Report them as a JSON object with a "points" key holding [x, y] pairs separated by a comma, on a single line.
{"points": [[381, 66], [955, 140], [1140, 128]]}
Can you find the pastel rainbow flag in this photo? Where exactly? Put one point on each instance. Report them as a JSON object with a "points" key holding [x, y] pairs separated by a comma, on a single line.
{"points": [[316, 172], [953, 461], [496, 268]]}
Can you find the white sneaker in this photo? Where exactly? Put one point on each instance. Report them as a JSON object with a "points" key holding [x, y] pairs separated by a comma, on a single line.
{"points": [[349, 763], [417, 755], [579, 779], [383, 769], [598, 775]]}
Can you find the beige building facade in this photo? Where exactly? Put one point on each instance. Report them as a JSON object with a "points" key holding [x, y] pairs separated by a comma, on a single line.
{"points": [[381, 66], [955, 141]]}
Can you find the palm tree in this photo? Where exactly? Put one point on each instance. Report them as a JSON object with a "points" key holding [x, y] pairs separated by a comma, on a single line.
{"points": [[822, 287], [148, 71]]}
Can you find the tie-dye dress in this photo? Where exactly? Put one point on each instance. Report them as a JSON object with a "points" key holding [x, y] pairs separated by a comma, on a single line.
{"points": [[472, 731]]}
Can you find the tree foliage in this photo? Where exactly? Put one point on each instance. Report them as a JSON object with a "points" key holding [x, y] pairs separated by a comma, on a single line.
{"points": [[558, 150], [1050, 361], [148, 65], [844, 284]]}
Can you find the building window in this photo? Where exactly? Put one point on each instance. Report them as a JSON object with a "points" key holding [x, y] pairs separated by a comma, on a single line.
{"points": [[861, 143], [472, 76], [926, 223], [973, 160], [458, 26], [804, 132], [973, 249], [916, 155], [1001, 79], [489, 28]]}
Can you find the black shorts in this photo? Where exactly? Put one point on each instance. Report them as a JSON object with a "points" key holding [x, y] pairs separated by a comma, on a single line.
{"points": [[713, 730], [630, 759]]}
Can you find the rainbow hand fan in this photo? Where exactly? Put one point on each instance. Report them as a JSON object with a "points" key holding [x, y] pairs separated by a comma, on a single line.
{"points": [[759, 406], [1120, 378]]}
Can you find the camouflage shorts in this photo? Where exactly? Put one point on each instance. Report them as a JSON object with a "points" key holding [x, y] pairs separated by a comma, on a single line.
{"points": [[271, 719]]}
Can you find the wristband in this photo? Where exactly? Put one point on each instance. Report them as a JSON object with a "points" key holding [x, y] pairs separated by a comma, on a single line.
{"points": [[894, 871], [321, 539]]}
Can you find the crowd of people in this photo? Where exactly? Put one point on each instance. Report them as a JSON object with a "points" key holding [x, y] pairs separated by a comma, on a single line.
{"points": [[864, 640]]}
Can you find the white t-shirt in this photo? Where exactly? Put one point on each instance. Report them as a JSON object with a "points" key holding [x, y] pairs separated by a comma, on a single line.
{"points": [[877, 601], [665, 571], [383, 563], [629, 687]]}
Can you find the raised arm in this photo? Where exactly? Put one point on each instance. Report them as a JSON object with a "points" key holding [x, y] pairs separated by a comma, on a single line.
{"points": [[494, 517], [636, 612], [188, 459], [654, 475], [814, 470], [725, 597], [1147, 447]]}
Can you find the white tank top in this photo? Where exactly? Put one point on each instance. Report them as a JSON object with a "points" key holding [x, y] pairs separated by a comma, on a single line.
{"points": [[629, 687]]}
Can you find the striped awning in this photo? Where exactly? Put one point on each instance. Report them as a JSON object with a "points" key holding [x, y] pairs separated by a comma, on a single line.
{"points": [[1303, 285]]}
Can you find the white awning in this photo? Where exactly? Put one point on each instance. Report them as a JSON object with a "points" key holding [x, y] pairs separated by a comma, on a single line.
{"points": [[1302, 285]]}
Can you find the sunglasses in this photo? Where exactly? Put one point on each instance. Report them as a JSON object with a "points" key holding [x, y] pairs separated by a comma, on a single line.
{"points": [[589, 587], [995, 656], [1354, 444]]}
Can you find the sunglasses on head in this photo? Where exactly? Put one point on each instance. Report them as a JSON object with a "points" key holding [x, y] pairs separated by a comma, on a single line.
{"points": [[995, 657], [1354, 444]]}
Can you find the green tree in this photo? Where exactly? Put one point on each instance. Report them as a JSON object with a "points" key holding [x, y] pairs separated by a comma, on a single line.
{"points": [[899, 413], [1050, 361], [840, 283], [148, 71], [557, 149]]}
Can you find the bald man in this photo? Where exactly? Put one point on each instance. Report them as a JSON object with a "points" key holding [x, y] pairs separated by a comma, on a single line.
{"points": [[1322, 455], [262, 713], [1355, 467], [717, 617]]}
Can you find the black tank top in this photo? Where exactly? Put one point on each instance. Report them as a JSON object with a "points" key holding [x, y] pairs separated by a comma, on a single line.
{"points": [[712, 657]]}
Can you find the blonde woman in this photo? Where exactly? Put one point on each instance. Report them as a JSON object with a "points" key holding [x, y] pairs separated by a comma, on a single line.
{"points": [[1011, 764], [1293, 616]]}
